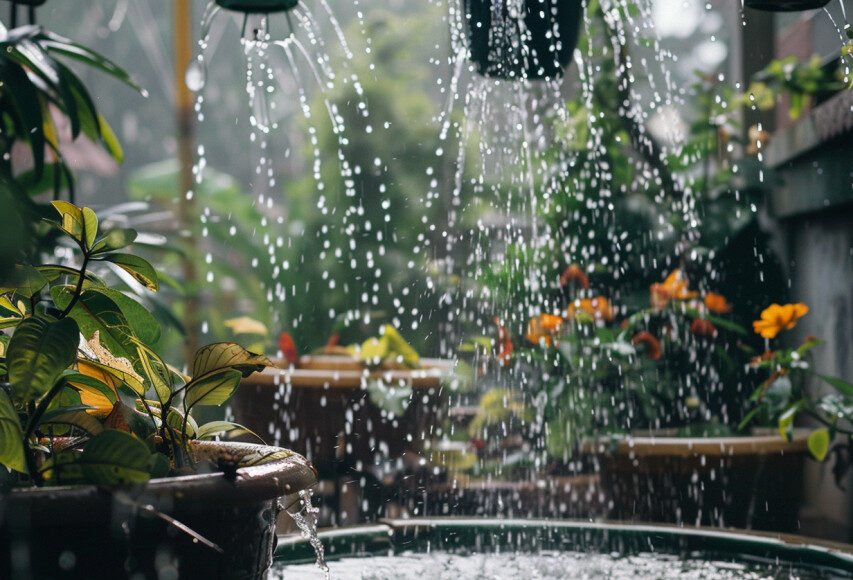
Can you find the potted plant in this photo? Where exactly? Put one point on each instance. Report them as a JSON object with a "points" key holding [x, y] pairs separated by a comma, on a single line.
{"points": [[105, 470], [258, 6], [785, 393], [785, 5], [521, 40]]}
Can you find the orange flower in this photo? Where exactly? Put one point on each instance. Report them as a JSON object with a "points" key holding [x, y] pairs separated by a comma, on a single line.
{"points": [[543, 328], [598, 308], [659, 296], [651, 344], [575, 275], [717, 303], [504, 344], [766, 355], [675, 287], [702, 327], [776, 318]]}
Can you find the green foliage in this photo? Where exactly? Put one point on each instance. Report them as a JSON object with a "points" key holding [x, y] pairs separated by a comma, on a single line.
{"points": [[793, 388], [114, 393], [11, 437], [38, 353], [115, 458]]}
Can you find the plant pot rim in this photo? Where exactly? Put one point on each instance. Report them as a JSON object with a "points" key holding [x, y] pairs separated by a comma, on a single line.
{"points": [[663, 444], [432, 374], [283, 477]]}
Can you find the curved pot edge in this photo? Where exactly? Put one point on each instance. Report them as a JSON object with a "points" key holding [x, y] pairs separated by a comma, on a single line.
{"points": [[264, 481]]}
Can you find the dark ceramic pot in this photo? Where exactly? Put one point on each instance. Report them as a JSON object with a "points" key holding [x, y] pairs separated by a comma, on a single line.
{"points": [[87, 532], [29, 2], [258, 6], [753, 482], [785, 5], [536, 42]]}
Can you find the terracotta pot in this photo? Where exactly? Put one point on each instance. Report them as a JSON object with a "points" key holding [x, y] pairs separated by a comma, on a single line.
{"points": [[785, 5], [88, 532], [326, 413], [535, 44], [258, 6], [748, 482]]}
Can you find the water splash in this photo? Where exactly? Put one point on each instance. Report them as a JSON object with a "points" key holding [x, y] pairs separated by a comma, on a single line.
{"points": [[304, 515]]}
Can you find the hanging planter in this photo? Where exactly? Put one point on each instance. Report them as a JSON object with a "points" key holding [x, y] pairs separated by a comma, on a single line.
{"points": [[785, 5], [522, 39], [258, 6], [29, 2]]}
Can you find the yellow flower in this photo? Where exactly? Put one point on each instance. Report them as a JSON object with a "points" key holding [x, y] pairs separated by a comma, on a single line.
{"points": [[544, 327], [599, 308], [246, 325], [776, 318], [675, 287]]}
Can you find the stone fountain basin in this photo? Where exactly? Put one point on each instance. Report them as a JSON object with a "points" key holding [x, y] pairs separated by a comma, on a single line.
{"points": [[89, 532], [471, 536]]}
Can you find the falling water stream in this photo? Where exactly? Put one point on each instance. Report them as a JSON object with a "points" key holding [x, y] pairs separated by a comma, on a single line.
{"points": [[304, 515]]}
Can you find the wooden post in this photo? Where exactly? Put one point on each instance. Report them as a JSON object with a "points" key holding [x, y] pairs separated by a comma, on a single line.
{"points": [[186, 214]]}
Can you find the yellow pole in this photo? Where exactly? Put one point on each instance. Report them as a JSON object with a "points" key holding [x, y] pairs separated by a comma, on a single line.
{"points": [[186, 214]]}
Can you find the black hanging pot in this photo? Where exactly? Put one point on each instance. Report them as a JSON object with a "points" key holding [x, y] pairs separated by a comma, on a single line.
{"points": [[258, 6], [522, 39], [29, 2], [785, 5]]}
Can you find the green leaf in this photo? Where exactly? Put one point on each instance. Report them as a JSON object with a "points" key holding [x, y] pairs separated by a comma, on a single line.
{"points": [[142, 323], [64, 468], [24, 98], [115, 458], [140, 269], [227, 355], [114, 239], [217, 428], [75, 416], [25, 281], [38, 353], [11, 437], [159, 466], [71, 221], [95, 311], [175, 419], [786, 427], [56, 43], [110, 140], [838, 384], [818, 443], [90, 226], [157, 373], [749, 416], [725, 323], [213, 388]]}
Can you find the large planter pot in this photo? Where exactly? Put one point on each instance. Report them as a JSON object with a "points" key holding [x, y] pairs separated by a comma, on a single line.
{"points": [[258, 6], [87, 532], [324, 411], [535, 42], [752, 482], [785, 5]]}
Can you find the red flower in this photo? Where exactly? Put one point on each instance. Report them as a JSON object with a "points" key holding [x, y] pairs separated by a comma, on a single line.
{"points": [[702, 327], [650, 343], [288, 348], [575, 275], [504, 344]]}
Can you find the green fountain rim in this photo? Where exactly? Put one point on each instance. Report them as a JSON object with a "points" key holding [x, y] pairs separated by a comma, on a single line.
{"points": [[396, 535]]}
